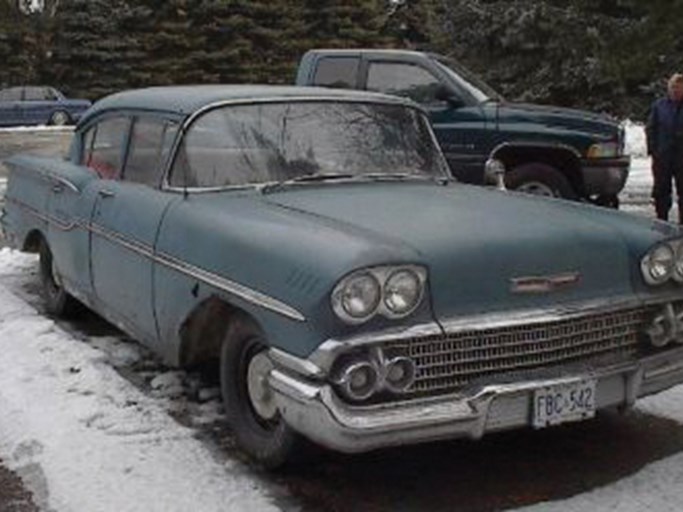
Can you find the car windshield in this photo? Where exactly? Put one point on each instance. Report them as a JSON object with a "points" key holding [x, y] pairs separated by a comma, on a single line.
{"points": [[468, 80], [275, 142]]}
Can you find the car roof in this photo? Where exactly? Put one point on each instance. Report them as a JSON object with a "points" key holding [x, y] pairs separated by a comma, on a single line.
{"points": [[188, 99]]}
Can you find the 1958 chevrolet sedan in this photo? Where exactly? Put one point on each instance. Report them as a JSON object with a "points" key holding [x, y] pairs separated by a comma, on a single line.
{"points": [[313, 243]]}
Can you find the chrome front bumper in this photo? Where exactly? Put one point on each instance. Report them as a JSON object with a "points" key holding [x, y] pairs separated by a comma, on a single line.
{"points": [[313, 409]]}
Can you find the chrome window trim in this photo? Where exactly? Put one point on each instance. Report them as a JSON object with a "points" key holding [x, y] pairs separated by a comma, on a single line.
{"points": [[187, 123], [232, 287]]}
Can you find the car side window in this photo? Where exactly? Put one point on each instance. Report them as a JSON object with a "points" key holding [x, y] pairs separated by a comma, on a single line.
{"points": [[106, 148], [150, 144], [340, 72], [13, 94], [406, 80], [37, 94]]}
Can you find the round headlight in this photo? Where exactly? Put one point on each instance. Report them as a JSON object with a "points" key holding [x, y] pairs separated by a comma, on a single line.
{"points": [[360, 295], [402, 292], [659, 264]]}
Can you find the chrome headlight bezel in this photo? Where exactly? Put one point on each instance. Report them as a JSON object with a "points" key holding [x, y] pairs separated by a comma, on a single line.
{"points": [[657, 254], [383, 275]]}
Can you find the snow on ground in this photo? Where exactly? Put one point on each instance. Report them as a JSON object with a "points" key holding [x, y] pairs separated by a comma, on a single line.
{"points": [[38, 128], [84, 438]]}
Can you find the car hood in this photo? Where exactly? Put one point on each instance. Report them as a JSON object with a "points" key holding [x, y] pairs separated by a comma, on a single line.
{"points": [[557, 118], [475, 241]]}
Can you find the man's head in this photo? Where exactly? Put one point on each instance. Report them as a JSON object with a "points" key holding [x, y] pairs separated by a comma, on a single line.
{"points": [[675, 87]]}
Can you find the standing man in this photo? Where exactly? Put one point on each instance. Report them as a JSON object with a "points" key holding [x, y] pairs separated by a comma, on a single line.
{"points": [[664, 133]]}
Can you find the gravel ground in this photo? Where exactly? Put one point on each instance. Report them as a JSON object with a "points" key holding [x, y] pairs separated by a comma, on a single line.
{"points": [[13, 496]]}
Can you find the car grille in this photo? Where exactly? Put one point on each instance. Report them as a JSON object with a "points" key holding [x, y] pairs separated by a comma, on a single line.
{"points": [[448, 363]]}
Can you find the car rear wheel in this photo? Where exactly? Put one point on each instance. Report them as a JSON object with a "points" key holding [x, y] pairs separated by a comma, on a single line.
{"points": [[539, 179], [58, 302], [249, 403], [59, 118]]}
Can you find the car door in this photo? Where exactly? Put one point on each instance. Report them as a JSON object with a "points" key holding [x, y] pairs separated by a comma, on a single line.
{"points": [[127, 211], [10, 107], [37, 105], [456, 124]]}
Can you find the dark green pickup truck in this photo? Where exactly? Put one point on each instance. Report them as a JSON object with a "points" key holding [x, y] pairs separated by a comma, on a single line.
{"points": [[545, 150]]}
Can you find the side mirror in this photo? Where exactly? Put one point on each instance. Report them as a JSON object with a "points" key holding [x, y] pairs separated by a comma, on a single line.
{"points": [[443, 93]]}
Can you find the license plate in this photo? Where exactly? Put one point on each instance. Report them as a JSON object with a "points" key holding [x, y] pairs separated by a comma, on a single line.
{"points": [[564, 402]]}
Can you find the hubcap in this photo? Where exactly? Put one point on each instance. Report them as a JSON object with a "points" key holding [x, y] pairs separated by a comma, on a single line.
{"points": [[536, 188], [260, 394], [59, 119]]}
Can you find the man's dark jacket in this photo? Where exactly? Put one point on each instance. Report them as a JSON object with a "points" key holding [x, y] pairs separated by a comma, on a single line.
{"points": [[664, 131]]}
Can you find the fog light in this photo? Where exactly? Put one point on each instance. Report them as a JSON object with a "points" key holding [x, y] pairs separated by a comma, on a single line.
{"points": [[358, 380], [400, 374]]}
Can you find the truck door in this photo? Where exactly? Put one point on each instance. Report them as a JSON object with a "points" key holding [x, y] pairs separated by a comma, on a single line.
{"points": [[458, 126]]}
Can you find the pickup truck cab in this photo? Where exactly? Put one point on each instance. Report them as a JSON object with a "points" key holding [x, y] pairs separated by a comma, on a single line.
{"points": [[545, 150]]}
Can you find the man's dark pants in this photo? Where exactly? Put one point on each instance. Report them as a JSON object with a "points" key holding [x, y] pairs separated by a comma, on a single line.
{"points": [[664, 172]]}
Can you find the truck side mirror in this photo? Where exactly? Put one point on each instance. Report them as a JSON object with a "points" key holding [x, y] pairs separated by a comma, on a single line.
{"points": [[443, 93]]}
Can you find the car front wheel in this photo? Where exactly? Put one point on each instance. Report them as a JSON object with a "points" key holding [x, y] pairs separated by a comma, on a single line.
{"points": [[539, 179], [249, 403]]}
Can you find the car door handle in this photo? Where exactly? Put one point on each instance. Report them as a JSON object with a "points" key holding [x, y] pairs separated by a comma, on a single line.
{"points": [[106, 193], [57, 188]]}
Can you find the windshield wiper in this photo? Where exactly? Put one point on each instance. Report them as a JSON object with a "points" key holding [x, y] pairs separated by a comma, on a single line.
{"points": [[308, 178], [404, 177]]}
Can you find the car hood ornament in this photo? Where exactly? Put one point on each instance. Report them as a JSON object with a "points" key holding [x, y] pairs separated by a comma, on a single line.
{"points": [[544, 284]]}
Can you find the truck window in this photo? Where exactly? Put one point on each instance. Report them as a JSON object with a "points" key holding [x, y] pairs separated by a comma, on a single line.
{"points": [[339, 72], [149, 148], [403, 80]]}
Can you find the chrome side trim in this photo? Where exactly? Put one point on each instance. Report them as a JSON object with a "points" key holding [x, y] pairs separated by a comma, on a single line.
{"points": [[63, 226], [147, 251], [133, 245], [232, 287]]}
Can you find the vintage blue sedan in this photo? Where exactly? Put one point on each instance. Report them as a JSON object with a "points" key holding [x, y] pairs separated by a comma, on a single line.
{"points": [[312, 243], [39, 105]]}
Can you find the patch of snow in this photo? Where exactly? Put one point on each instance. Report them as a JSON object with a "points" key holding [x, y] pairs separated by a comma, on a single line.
{"points": [[84, 438], [634, 142], [38, 128]]}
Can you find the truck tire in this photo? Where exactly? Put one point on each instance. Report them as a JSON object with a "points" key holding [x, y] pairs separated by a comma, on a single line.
{"points": [[57, 300], [255, 421], [539, 179]]}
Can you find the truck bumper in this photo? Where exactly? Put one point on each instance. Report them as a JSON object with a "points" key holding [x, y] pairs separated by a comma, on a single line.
{"points": [[315, 411], [605, 176]]}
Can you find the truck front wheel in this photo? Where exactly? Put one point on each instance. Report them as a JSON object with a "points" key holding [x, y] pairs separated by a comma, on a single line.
{"points": [[539, 179]]}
